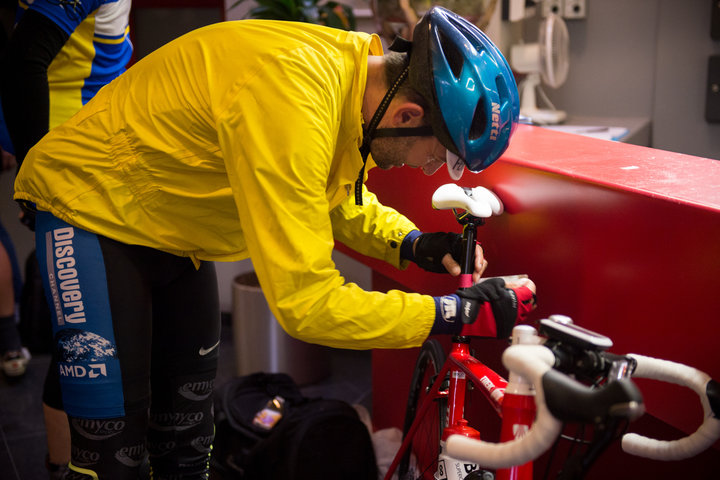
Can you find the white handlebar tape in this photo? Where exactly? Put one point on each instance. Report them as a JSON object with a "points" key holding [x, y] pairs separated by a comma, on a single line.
{"points": [[686, 447], [531, 362]]}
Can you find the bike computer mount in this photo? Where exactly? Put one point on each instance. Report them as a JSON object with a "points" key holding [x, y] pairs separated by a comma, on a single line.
{"points": [[562, 329]]}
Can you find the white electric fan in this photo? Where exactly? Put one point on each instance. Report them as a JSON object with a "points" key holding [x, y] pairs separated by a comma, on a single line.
{"points": [[548, 59]]}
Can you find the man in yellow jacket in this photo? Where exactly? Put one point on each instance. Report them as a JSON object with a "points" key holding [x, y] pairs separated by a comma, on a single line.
{"points": [[248, 139]]}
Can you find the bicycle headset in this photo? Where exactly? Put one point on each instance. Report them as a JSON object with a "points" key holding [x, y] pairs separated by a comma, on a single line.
{"points": [[472, 96]]}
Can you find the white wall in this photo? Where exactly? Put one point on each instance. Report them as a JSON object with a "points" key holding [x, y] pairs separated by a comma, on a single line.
{"points": [[684, 45], [645, 58]]}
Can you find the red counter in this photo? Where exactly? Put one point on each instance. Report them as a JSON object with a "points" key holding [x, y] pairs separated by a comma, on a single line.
{"points": [[624, 239]]}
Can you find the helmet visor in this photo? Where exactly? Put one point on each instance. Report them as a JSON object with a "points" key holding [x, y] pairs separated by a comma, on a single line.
{"points": [[455, 165]]}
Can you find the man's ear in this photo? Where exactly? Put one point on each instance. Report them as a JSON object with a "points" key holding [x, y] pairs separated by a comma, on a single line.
{"points": [[408, 114]]}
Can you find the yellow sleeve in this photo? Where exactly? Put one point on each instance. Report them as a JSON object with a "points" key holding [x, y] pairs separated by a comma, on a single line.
{"points": [[371, 229], [277, 136]]}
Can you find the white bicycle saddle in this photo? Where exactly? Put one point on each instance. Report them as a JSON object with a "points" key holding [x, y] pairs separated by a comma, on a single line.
{"points": [[479, 201]]}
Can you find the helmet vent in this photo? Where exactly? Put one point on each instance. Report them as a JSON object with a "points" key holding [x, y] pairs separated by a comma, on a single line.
{"points": [[479, 123], [452, 55], [502, 89]]}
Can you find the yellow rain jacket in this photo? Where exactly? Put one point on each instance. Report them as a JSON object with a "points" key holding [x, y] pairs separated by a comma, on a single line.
{"points": [[240, 140]]}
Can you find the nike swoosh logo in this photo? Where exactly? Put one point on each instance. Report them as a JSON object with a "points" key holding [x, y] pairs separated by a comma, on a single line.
{"points": [[204, 351]]}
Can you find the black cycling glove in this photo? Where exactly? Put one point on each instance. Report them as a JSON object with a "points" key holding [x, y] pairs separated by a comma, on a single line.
{"points": [[432, 247], [487, 309], [503, 301]]}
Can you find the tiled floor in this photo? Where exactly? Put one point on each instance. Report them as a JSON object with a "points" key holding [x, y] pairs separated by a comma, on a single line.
{"points": [[22, 433]]}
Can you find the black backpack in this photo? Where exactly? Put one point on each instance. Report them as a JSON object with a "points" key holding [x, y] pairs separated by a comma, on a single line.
{"points": [[313, 438]]}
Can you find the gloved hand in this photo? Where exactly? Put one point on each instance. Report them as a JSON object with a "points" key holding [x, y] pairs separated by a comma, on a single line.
{"points": [[430, 248], [491, 309], [487, 309]]}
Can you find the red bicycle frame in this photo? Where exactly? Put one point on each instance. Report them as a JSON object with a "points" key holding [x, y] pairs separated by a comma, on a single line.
{"points": [[513, 401], [516, 408]]}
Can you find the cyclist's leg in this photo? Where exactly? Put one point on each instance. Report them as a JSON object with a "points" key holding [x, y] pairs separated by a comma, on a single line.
{"points": [[186, 333], [183, 304], [104, 369]]}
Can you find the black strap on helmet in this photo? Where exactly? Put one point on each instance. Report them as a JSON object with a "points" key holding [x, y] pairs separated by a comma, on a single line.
{"points": [[371, 132]]}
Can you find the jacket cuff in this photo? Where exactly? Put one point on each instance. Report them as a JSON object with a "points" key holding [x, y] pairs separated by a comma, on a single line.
{"points": [[406, 248]]}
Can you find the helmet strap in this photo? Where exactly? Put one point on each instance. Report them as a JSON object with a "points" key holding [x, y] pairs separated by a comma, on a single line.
{"points": [[369, 132], [422, 131]]}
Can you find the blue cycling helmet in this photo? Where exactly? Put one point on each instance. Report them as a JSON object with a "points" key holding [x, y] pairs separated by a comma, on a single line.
{"points": [[473, 99]]}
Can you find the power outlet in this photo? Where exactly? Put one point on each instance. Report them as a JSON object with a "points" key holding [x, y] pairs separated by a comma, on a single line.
{"points": [[574, 9], [552, 6]]}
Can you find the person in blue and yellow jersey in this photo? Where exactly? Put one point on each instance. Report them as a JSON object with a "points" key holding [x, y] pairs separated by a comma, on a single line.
{"points": [[59, 55], [251, 139]]}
